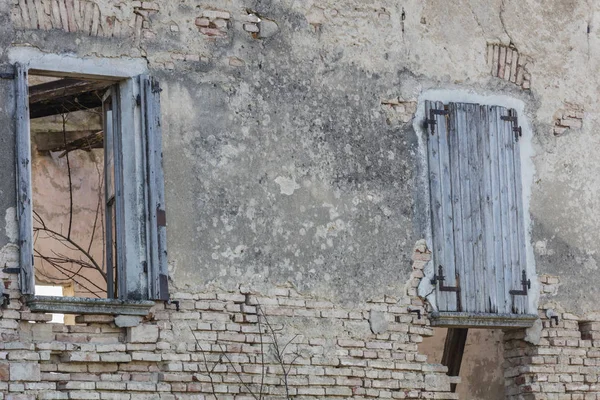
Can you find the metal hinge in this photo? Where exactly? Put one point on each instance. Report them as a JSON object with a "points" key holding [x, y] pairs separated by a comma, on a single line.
{"points": [[526, 283], [515, 128], [441, 278], [5, 300], [7, 75], [431, 121], [161, 217]]}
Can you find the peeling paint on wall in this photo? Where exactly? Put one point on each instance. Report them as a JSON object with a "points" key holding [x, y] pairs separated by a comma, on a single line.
{"points": [[11, 228]]}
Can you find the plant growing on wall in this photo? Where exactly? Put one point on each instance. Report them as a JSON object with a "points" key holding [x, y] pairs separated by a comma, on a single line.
{"points": [[68, 257], [274, 350]]}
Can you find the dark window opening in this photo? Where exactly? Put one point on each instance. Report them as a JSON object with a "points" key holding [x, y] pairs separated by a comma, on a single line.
{"points": [[68, 180]]}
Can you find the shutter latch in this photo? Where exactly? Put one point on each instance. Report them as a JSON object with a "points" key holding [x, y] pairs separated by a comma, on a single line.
{"points": [[439, 277], [526, 283], [431, 121]]}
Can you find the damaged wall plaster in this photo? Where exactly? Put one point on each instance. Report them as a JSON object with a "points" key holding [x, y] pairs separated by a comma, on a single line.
{"points": [[11, 227], [306, 104]]}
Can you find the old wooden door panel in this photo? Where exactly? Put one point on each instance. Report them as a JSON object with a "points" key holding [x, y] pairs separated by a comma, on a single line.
{"points": [[477, 213]]}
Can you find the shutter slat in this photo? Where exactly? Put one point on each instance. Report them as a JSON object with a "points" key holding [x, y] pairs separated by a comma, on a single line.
{"points": [[495, 248], [480, 261], [487, 222], [435, 193], [519, 211], [474, 179], [24, 199], [505, 210], [464, 129], [446, 205], [512, 208], [456, 129]]}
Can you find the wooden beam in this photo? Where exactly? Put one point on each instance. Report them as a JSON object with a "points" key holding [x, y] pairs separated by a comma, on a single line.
{"points": [[59, 105], [63, 88], [64, 95], [454, 349]]}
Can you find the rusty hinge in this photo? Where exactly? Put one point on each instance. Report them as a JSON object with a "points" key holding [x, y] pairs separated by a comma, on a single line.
{"points": [[155, 86], [515, 127], [5, 300], [439, 277], [526, 283], [163, 286], [161, 217], [431, 121]]}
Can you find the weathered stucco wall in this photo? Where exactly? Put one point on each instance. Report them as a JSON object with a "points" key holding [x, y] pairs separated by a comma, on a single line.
{"points": [[290, 157], [289, 148]]}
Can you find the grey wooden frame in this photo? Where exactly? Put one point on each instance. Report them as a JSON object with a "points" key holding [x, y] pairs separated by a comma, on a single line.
{"points": [[140, 216], [24, 192]]}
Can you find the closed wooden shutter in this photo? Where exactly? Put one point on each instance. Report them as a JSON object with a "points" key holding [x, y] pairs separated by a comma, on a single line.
{"points": [[156, 240], [476, 208], [24, 199]]}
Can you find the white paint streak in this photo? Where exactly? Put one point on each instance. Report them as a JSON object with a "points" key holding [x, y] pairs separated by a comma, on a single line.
{"points": [[11, 227], [286, 186], [527, 175]]}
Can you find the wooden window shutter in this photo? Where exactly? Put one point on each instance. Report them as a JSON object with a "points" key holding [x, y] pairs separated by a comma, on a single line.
{"points": [[476, 207], [156, 242], [441, 204], [24, 197]]}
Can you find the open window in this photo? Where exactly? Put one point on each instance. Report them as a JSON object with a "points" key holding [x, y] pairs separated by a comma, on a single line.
{"points": [[478, 234], [90, 190]]}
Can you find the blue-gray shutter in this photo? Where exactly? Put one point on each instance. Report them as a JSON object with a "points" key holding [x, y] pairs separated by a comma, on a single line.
{"points": [[156, 241], [441, 202], [480, 202], [24, 198]]}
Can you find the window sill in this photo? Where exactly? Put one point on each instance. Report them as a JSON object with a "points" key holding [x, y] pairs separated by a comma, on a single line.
{"points": [[481, 320], [82, 305]]}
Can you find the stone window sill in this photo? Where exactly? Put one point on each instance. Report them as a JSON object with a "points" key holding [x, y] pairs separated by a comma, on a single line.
{"points": [[83, 305], [481, 320]]}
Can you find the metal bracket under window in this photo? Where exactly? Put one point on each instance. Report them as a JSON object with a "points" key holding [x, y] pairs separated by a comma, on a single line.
{"points": [[526, 283], [431, 121], [439, 277]]}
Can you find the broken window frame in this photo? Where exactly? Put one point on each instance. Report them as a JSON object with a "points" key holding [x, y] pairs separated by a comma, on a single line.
{"points": [[142, 271]]}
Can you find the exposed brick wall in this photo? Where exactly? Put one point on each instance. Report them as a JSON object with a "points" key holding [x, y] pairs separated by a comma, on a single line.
{"points": [[507, 63], [399, 110], [564, 365], [569, 117], [563, 362], [84, 16], [213, 22], [216, 344]]}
